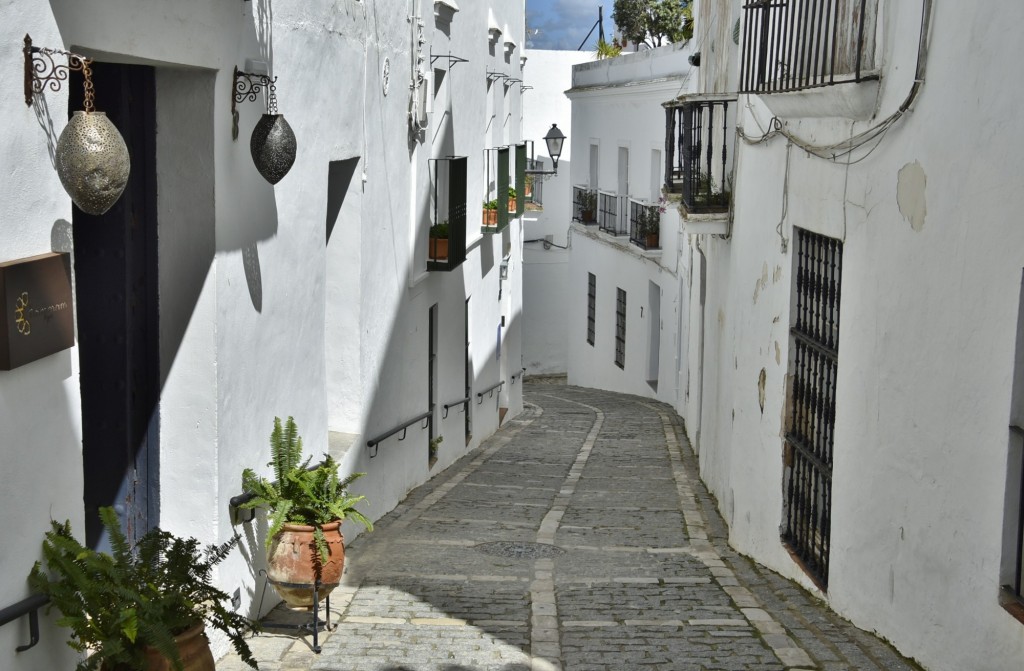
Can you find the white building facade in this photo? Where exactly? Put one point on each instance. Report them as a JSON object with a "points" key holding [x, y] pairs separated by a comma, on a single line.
{"points": [[208, 301], [626, 291], [850, 336]]}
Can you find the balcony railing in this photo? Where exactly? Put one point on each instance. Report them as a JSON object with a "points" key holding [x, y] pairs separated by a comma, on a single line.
{"points": [[534, 185], [700, 134], [584, 205], [611, 213], [446, 239], [790, 45], [645, 224]]}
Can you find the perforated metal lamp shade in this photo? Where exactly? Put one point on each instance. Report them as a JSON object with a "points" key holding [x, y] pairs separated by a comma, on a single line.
{"points": [[554, 140]]}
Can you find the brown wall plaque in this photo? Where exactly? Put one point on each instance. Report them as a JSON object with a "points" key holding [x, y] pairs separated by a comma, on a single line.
{"points": [[36, 309]]}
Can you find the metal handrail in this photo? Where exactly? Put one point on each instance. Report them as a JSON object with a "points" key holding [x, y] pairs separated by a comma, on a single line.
{"points": [[480, 396], [30, 607], [375, 442], [519, 374], [461, 401]]}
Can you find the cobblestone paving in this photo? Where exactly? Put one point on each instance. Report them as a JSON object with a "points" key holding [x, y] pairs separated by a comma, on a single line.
{"points": [[578, 538]]}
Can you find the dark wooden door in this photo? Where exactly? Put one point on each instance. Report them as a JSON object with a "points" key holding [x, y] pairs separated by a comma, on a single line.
{"points": [[116, 285]]}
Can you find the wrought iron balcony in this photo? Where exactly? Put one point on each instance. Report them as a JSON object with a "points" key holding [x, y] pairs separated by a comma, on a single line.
{"points": [[584, 205], [446, 239], [612, 213], [790, 45], [645, 224], [700, 138]]}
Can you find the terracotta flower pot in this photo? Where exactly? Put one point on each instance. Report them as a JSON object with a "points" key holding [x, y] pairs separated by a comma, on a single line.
{"points": [[512, 205], [490, 217], [193, 648], [294, 565], [438, 249]]}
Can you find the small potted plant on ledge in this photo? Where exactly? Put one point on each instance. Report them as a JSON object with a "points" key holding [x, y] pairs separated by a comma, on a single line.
{"points": [[142, 607], [528, 187], [305, 508], [491, 212], [588, 206], [512, 204], [439, 241]]}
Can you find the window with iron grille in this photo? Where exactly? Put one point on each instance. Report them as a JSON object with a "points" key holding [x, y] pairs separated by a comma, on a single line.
{"points": [[620, 328], [699, 137], [790, 45], [810, 434], [446, 239], [591, 307]]}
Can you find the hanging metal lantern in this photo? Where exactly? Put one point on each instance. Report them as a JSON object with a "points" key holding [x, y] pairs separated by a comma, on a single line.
{"points": [[92, 161], [273, 147]]}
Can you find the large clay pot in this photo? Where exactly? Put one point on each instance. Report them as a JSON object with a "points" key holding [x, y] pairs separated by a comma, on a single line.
{"points": [[293, 563], [193, 648], [92, 162], [273, 147]]}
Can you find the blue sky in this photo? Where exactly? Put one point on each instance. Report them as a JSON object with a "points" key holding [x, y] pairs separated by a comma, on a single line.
{"points": [[562, 24]]}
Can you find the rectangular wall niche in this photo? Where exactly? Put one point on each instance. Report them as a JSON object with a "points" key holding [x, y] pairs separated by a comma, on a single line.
{"points": [[36, 309]]}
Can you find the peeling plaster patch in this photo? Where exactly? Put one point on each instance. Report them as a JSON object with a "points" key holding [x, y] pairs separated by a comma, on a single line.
{"points": [[910, 194], [761, 379], [778, 353], [760, 284], [777, 275]]}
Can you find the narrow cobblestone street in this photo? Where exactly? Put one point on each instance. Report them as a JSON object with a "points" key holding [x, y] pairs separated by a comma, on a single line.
{"points": [[578, 538]]}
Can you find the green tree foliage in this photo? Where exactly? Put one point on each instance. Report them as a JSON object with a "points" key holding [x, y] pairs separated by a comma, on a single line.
{"points": [[654, 22]]}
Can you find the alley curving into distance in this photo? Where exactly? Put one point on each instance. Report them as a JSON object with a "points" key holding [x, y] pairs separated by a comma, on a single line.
{"points": [[579, 537]]}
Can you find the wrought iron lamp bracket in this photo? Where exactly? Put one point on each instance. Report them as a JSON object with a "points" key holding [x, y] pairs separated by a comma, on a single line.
{"points": [[492, 76], [42, 71], [248, 86]]}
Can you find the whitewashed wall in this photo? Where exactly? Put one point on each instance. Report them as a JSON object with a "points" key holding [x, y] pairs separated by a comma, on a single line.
{"points": [[926, 349], [40, 404], [545, 286], [262, 313]]}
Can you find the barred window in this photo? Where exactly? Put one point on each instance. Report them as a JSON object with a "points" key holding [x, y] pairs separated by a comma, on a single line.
{"points": [[620, 328], [591, 307], [810, 434]]}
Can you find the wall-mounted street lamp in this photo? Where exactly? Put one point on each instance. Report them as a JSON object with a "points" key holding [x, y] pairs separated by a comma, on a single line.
{"points": [[554, 140], [272, 144], [91, 157]]}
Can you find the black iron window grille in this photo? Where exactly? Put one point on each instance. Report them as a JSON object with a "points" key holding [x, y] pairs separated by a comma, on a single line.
{"points": [[497, 203], [609, 213], [584, 205], [645, 224], [446, 239], [699, 139], [790, 45], [620, 328], [520, 183], [591, 307], [810, 435]]}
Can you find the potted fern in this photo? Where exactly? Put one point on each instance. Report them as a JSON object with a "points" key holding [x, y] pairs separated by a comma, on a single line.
{"points": [[142, 607], [305, 508]]}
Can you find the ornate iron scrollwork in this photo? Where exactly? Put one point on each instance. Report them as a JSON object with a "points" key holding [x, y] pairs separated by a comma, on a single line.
{"points": [[249, 86], [43, 71]]}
